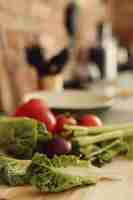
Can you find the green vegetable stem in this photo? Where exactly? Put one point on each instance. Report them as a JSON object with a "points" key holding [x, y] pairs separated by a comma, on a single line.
{"points": [[60, 173], [76, 131], [87, 140]]}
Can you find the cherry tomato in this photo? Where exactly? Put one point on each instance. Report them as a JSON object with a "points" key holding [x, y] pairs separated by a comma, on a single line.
{"points": [[62, 120], [38, 110], [48, 119], [31, 108], [90, 120]]}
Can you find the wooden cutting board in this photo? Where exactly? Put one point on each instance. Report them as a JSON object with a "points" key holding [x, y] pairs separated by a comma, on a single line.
{"points": [[105, 190]]}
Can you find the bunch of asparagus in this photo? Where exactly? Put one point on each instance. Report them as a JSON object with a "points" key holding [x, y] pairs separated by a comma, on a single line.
{"points": [[101, 145]]}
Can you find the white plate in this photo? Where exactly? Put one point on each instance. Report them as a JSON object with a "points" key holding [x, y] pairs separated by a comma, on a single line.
{"points": [[71, 100]]}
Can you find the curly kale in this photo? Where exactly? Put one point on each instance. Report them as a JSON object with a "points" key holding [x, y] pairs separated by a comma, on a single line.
{"points": [[21, 136], [13, 172], [60, 173]]}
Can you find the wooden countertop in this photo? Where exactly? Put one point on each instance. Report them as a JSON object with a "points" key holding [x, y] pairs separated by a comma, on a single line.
{"points": [[120, 189]]}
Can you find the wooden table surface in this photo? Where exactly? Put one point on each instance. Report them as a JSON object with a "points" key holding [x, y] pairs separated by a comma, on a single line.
{"points": [[121, 189]]}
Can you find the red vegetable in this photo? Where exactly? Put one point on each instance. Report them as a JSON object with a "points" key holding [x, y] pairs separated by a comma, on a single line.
{"points": [[58, 146], [62, 120], [38, 110], [49, 120], [90, 120], [31, 108]]}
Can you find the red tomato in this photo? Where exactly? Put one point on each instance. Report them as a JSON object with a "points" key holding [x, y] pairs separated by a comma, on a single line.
{"points": [[48, 119], [62, 120], [90, 120], [38, 110], [31, 108]]}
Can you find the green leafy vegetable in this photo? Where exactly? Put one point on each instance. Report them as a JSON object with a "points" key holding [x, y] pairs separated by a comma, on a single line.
{"points": [[60, 173], [21, 136], [12, 171], [129, 142]]}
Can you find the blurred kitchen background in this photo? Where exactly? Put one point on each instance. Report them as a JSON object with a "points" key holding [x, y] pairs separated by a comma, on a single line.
{"points": [[72, 44]]}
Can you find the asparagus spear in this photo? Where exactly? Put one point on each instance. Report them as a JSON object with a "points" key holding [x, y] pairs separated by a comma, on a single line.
{"points": [[120, 148], [105, 149], [91, 152], [76, 131], [109, 140], [87, 140]]}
